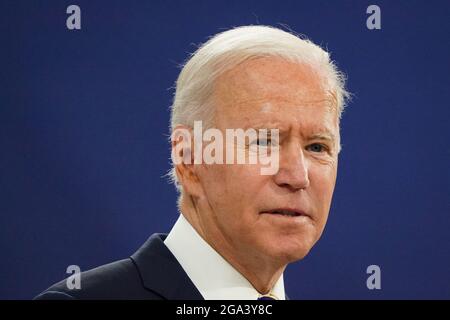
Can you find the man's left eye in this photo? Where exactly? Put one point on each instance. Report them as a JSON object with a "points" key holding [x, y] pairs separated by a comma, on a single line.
{"points": [[316, 147]]}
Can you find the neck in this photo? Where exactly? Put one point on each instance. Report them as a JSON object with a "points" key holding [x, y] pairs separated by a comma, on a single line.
{"points": [[261, 272]]}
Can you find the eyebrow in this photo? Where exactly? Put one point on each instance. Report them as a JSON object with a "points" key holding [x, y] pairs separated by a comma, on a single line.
{"points": [[323, 136], [267, 126]]}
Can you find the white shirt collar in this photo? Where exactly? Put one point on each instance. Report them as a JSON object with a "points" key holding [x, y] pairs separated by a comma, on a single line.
{"points": [[213, 276]]}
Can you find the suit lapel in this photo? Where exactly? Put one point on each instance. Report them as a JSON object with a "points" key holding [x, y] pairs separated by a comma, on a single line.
{"points": [[161, 272]]}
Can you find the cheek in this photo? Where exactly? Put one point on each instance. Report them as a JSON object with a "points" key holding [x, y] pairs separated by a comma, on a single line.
{"points": [[224, 186], [232, 191], [214, 181], [323, 180]]}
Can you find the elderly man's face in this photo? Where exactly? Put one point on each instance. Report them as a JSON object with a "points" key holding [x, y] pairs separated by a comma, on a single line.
{"points": [[237, 203]]}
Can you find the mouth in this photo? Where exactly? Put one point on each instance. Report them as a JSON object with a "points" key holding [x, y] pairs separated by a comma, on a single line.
{"points": [[286, 212]]}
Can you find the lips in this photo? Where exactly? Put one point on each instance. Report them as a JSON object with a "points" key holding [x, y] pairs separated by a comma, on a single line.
{"points": [[288, 212]]}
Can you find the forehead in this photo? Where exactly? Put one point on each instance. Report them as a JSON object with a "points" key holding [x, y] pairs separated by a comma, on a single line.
{"points": [[273, 89]]}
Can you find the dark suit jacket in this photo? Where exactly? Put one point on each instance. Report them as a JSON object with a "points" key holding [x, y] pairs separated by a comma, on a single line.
{"points": [[151, 273]]}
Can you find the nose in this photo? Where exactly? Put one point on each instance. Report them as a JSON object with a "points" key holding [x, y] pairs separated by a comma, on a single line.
{"points": [[293, 170]]}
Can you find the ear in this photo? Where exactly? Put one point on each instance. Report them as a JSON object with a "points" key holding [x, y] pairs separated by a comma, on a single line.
{"points": [[182, 143]]}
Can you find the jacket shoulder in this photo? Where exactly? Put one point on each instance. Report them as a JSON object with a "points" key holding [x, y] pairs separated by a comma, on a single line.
{"points": [[116, 280]]}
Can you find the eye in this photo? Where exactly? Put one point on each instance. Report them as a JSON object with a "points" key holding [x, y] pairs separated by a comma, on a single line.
{"points": [[264, 142], [316, 147]]}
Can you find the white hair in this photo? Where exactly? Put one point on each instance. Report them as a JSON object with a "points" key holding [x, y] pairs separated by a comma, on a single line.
{"points": [[225, 50]]}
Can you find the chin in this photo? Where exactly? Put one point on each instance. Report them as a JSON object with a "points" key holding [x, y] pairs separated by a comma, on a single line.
{"points": [[292, 251]]}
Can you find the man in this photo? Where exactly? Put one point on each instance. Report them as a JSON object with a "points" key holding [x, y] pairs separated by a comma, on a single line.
{"points": [[238, 229]]}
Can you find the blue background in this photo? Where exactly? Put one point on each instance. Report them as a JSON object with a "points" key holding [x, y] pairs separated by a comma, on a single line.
{"points": [[84, 119]]}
